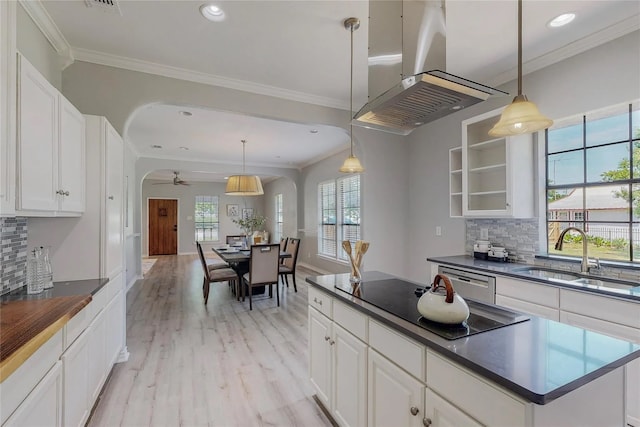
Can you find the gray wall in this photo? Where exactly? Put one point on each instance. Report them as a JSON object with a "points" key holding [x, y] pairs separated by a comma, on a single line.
{"points": [[287, 188], [186, 196], [37, 49], [603, 76]]}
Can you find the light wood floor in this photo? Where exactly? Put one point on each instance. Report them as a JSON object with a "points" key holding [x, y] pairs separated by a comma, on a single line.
{"points": [[214, 365]]}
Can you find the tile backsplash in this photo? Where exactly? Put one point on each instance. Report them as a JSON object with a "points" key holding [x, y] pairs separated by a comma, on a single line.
{"points": [[13, 249], [518, 236]]}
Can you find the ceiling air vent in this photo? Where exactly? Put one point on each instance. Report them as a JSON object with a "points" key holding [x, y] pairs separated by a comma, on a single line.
{"points": [[105, 5]]}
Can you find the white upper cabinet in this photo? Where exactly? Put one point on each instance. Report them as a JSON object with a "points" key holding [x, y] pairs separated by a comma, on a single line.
{"points": [[7, 107], [50, 148], [497, 173]]}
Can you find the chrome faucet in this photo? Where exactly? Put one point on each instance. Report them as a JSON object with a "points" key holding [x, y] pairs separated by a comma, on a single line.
{"points": [[586, 264]]}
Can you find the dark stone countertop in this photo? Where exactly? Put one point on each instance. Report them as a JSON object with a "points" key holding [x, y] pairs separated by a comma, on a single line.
{"points": [[511, 269], [60, 289], [517, 357]]}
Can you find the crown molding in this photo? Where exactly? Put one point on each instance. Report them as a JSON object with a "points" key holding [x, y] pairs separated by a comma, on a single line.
{"points": [[116, 61], [49, 29], [608, 34]]}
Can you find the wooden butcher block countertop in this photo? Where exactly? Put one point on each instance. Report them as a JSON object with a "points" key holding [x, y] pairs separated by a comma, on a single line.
{"points": [[26, 325]]}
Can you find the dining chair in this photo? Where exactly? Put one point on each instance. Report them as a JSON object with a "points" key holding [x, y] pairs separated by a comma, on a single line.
{"points": [[263, 270], [213, 275], [288, 266], [215, 263]]}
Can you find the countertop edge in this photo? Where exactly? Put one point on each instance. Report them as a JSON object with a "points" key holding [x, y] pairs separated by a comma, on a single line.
{"points": [[512, 387], [15, 359]]}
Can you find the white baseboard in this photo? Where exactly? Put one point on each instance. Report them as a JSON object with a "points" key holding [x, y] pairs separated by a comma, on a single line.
{"points": [[133, 282], [124, 355]]}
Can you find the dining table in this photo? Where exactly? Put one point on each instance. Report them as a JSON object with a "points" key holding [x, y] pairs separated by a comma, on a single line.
{"points": [[238, 259]]}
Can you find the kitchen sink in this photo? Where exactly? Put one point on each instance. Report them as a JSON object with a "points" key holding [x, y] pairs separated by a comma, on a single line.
{"points": [[575, 278], [548, 273]]}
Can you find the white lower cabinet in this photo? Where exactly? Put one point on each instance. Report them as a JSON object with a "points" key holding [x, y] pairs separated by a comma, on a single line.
{"points": [[97, 356], [395, 397], [75, 364], [43, 406], [320, 355], [349, 378], [440, 413]]}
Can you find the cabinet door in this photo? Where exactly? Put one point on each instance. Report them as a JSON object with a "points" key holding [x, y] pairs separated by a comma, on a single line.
{"points": [[395, 397], [97, 357], [37, 141], [114, 182], [43, 406], [75, 365], [71, 157], [115, 328], [320, 355], [441, 413], [349, 378], [7, 107]]}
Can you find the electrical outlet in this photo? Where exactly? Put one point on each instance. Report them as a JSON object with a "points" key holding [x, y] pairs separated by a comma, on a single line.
{"points": [[438, 231], [484, 234]]}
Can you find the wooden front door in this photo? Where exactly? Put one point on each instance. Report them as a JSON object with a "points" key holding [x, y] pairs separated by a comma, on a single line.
{"points": [[163, 227]]}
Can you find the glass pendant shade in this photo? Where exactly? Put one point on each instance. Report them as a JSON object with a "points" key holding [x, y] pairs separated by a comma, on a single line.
{"points": [[244, 185], [351, 165], [522, 116]]}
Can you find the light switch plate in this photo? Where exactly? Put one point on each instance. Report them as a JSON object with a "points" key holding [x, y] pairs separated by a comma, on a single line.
{"points": [[484, 234]]}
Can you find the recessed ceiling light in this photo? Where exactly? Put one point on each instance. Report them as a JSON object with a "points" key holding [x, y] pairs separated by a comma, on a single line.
{"points": [[184, 148], [186, 113], [156, 146], [226, 177], [561, 20], [212, 12], [314, 131]]}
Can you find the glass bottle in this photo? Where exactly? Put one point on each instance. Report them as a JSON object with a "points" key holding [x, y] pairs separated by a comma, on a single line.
{"points": [[35, 284], [47, 269]]}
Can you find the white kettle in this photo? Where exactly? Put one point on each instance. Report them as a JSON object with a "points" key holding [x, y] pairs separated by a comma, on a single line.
{"points": [[443, 305]]}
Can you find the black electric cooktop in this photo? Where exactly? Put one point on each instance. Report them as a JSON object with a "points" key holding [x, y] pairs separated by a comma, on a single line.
{"points": [[401, 299]]}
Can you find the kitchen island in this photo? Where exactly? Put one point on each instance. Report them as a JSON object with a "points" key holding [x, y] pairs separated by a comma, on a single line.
{"points": [[371, 366]]}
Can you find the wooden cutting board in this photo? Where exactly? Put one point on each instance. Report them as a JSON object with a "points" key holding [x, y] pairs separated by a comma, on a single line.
{"points": [[26, 325]]}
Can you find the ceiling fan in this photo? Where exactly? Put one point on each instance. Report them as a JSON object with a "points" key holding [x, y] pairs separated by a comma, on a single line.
{"points": [[176, 180]]}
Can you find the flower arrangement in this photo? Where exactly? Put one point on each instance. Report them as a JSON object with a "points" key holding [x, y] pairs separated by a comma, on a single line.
{"points": [[251, 223]]}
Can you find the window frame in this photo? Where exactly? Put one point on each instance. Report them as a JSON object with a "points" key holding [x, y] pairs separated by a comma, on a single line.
{"points": [[215, 200], [339, 224], [582, 218], [279, 217]]}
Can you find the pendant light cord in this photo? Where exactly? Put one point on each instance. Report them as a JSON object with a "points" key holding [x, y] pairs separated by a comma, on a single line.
{"points": [[244, 141], [351, 95], [519, 47]]}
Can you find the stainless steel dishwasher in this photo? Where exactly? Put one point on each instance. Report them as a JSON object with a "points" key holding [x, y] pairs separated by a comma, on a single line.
{"points": [[471, 285]]}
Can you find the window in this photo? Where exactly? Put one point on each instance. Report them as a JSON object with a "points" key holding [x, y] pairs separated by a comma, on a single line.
{"points": [[339, 205], [206, 219], [279, 216], [593, 182]]}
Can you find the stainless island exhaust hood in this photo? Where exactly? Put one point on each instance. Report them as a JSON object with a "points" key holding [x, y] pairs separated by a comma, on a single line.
{"points": [[416, 28]]}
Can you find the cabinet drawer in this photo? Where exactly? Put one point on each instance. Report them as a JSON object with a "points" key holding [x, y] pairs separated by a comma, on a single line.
{"points": [[528, 291], [608, 328], [77, 324], [480, 400], [601, 307], [20, 383], [320, 301], [529, 308], [99, 301], [402, 351], [351, 320]]}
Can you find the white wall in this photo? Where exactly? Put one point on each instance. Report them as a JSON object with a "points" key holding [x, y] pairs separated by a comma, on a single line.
{"points": [[186, 196], [287, 188], [603, 76], [37, 49]]}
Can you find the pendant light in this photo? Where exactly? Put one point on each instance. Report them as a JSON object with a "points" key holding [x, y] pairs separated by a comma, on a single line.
{"points": [[244, 185], [522, 116], [351, 163]]}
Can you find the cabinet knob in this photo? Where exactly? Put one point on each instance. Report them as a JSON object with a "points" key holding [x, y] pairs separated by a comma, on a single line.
{"points": [[317, 301], [110, 197], [66, 193], [326, 338], [414, 411], [60, 192], [426, 422], [332, 342]]}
